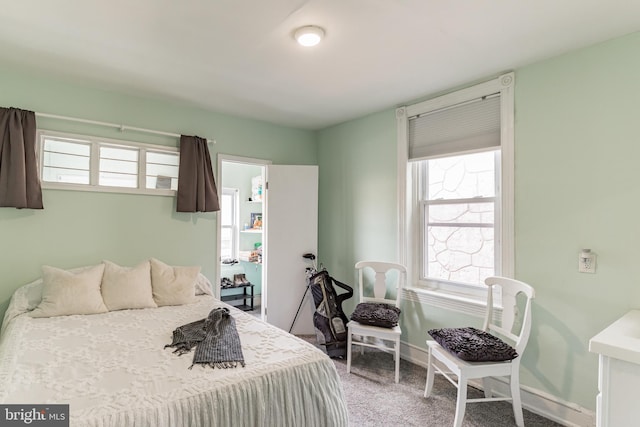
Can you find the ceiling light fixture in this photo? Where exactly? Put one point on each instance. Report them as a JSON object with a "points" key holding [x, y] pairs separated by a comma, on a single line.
{"points": [[309, 35]]}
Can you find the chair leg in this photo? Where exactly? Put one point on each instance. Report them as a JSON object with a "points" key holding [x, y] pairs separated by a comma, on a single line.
{"points": [[486, 385], [397, 354], [515, 399], [430, 375], [349, 352], [461, 402]]}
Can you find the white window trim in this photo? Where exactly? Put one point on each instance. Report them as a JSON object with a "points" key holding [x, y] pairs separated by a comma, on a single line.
{"points": [[96, 142], [458, 297]]}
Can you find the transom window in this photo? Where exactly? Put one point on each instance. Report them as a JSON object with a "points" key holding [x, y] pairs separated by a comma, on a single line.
{"points": [[95, 164]]}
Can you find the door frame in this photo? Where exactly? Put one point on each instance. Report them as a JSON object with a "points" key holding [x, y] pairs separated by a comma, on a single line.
{"points": [[229, 158]]}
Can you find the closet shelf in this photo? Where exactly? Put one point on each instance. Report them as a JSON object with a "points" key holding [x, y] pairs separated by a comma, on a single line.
{"points": [[252, 231]]}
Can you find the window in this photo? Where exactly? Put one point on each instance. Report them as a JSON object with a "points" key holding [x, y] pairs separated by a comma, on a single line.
{"points": [[456, 194], [95, 164], [229, 224], [457, 211]]}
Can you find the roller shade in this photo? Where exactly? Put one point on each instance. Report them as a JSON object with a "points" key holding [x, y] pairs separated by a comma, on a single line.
{"points": [[474, 125]]}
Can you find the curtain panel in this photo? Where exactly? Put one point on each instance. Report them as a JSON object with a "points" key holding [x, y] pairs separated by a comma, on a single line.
{"points": [[197, 190], [19, 181]]}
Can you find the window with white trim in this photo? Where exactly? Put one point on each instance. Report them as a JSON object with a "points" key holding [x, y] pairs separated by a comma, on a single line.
{"points": [[98, 164], [456, 216], [458, 210], [229, 224]]}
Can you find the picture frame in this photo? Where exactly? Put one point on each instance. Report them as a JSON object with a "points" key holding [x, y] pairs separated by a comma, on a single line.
{"points": [[256, 220]]}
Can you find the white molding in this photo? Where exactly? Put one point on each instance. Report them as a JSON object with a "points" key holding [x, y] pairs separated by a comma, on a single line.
{"points": [[459, 303], [494, 85], [401, 203], [507, 191], [534, 400]]}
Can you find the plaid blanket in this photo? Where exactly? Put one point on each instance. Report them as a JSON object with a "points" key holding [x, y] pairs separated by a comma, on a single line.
{"points": [[215, 338]]}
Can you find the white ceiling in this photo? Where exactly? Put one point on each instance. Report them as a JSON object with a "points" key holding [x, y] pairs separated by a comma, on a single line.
{"points": [[239, 56]]}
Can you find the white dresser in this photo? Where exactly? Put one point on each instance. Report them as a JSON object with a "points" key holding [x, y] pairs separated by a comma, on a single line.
{"points": [[618, 346]]}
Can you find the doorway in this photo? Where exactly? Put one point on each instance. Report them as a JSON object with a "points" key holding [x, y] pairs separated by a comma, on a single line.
{"points": [[241, 232], [268, 220]]}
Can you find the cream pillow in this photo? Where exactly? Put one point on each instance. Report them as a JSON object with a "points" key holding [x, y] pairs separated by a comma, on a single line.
{"points": [[203, 285], [127, 287], [65, 292], [173, 285]]}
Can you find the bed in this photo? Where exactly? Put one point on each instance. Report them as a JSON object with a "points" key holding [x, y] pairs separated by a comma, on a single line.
{"points": [[113, 370]]}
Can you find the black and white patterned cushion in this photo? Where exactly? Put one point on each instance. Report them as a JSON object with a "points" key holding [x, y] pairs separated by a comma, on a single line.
{"points": [[376, 314], [473, 345]]}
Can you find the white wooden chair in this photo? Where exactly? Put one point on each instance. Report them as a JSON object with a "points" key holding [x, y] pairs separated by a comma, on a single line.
{"points": [[466, 371], [371, 336]]}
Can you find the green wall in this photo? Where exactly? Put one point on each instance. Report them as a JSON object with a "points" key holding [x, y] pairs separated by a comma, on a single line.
{"points": [[576, 148], [357, 195], [577, 187], [79, 228]]}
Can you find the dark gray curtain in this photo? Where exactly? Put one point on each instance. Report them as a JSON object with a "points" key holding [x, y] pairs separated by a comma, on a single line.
{"points": [[197, 190], [19, 182]]}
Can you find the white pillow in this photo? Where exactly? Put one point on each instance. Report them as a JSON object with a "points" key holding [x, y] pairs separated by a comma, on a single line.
{"points": [[173, 285], [127, 287], [65, 292], [203, 285]]}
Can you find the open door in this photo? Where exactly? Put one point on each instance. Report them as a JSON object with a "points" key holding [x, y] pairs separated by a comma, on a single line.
{"points": [[291, 230]]}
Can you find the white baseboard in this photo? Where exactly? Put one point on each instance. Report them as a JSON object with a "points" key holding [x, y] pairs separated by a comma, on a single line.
{"points": [[537, 401]]}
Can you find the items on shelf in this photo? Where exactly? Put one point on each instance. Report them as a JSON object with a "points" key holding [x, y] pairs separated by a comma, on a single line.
{"points": [[256, 220], [238, 281], [256, 188], [251, 256]]}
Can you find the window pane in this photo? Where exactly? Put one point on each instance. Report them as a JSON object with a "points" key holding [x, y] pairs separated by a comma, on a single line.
{"points": [[162, 170], [66, 161], [118, 166], [67, 147], [70, 161], [119, 153], [460, 254], [465, 213], [162, 182], [226, 243], [70, 176], [118, 180], [226, 210], [461, 177], [162, 158]]}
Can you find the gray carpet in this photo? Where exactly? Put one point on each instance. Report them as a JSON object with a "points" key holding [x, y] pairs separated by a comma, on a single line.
{"points": [[374, 399]]}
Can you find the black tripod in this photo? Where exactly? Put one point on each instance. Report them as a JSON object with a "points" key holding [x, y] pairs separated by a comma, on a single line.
{"points": [[310, 272]]}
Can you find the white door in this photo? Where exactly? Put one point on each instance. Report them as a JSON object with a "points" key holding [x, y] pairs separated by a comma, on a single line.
{"points": [[291, 230]]}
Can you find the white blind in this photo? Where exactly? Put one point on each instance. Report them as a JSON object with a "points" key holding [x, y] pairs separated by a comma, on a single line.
{"points": [[470, 126]]}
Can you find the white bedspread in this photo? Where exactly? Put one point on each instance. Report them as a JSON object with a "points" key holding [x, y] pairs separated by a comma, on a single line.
{"points": [[113, 370]]}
